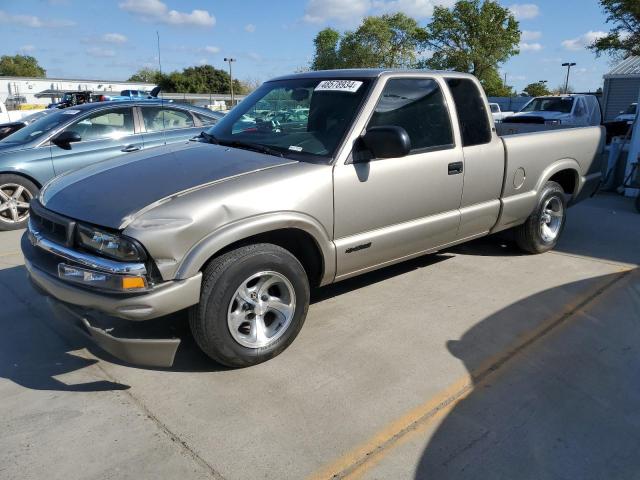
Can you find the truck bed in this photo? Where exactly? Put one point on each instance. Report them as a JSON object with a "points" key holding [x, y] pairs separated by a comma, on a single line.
{"points": [[531, 158]]}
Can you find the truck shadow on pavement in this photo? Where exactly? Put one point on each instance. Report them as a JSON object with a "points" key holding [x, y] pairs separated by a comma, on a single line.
{"points": [[564, 407], [32, 353]]}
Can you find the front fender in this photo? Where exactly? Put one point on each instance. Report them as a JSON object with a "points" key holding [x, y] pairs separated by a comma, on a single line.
{"points": [[233, 232]]}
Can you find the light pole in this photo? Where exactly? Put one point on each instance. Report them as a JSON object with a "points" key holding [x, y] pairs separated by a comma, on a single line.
{"points": [[229, 60], [566, 83]]}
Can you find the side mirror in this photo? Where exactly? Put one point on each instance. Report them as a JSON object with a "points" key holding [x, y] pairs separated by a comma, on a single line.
{"points": [[65, 139], [386, 141]]}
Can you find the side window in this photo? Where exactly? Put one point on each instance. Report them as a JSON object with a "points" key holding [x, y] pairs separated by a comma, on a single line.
{"points": [[580, 108], [113, 124], [206, 121], [157, 119], [472, 114], [418, 106]]}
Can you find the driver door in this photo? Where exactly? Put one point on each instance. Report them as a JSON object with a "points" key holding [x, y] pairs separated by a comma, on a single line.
{"points": [[390, 209], [104, 134]]}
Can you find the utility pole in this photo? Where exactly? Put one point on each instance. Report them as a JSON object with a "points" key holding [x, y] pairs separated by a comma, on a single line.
{"points": [[229, 60], [566, 83]]}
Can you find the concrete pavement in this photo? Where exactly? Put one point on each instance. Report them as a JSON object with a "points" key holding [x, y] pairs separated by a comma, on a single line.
{"points": [[375, 353]]}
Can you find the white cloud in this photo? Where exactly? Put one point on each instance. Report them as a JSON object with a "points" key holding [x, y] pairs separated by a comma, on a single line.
{"points": [[250, 27], [114, 38], [100, 52], [352, 11], [33, 21], [319, 11], [27, 48], [529, 35], [581, 42], [525, 11], [203, 61], [413, 8], [530, 47], [157, 11], [211, 49]]}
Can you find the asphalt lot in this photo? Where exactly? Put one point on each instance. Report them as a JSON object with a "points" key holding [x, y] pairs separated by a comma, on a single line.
{"points": [[478, 362]]}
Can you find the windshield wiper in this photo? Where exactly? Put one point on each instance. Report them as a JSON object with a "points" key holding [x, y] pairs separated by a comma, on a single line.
{"points": [[251, 146]]}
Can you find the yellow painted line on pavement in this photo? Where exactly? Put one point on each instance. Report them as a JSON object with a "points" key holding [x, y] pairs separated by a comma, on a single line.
{"points": [[359, 460]]}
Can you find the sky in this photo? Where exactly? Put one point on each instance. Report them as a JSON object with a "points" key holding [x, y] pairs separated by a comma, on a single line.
{"points": [[111, 39]]}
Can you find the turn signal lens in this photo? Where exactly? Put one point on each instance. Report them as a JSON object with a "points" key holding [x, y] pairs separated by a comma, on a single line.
{"points": [[129, 283]]}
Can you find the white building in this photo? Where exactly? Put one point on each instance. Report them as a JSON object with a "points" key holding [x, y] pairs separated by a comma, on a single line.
{"points": [[21, 90]]}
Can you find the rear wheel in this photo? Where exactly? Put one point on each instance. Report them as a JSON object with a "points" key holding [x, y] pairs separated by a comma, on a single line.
{"points": [[253, 303], [15, 194], [541, 231]]}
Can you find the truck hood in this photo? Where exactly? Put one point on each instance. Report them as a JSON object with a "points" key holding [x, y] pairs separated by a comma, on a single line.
{"points": [[110, 193], [546, 115]]}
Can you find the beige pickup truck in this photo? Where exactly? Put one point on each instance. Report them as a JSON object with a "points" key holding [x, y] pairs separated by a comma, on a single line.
{"points": [[312, 179]]}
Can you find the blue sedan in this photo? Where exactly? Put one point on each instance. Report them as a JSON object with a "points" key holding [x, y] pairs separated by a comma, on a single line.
{"points": [[79, 136]]}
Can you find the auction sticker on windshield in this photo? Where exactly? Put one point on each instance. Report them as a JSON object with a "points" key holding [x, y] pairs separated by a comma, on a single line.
{"points": [[350, 86]]}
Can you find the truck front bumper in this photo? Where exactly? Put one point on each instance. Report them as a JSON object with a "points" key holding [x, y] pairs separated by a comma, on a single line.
{"points": [[94, 311]]}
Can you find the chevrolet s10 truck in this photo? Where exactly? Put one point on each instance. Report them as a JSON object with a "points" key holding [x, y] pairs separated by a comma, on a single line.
{"points": [[238, 225]]}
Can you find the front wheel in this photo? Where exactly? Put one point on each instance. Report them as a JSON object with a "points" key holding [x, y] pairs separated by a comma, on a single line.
{"points": [[15, 194], [541, 231], [253, 303]]}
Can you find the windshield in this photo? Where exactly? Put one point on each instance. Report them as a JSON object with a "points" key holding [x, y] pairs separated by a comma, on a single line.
{"points": [[304, 119], [632, 109], [494, 108], [41, 126], [549, 104], [35, 116]]}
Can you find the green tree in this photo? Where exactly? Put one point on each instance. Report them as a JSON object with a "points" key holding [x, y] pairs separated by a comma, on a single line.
{"points": [[326, 50], [200, 79], [537, 89], [474, 36], [624, 38], [494, 86], [387, 41], [147, 75], [21, 66]]}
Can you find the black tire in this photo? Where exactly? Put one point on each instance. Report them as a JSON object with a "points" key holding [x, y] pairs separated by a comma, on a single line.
{"points": [[221, 278], [9, 183], [638, 203], [529, 235]]}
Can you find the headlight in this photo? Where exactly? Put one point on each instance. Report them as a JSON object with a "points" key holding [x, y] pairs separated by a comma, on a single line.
{"points": [[108, 244]]}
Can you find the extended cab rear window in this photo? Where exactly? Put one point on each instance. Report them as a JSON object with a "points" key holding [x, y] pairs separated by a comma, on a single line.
{"points": [[418, 106], [472, 114]]}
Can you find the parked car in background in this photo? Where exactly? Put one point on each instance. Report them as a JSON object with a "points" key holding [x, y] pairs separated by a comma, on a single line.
{"points": [[131, 95], [628, 115], [565, 110], [384, 166], [71, 99], [71, 138], [497, 114], [7, 129]]}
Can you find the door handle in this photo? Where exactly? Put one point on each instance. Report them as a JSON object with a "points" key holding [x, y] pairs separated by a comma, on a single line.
{"points": [[455, 168], [130, 148]]}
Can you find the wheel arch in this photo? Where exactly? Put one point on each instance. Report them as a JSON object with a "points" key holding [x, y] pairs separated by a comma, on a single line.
{"points": [[19, 173], [566, 172], [298, 233]]}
